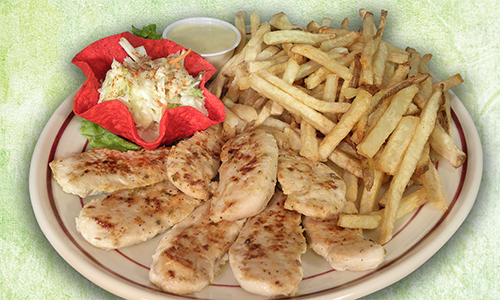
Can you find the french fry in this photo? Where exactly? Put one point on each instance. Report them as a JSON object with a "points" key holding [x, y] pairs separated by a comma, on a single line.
{"points": [[397, 57], [443, 144], [388, 122], [314, 103], [309, 142], [274, 93], [254, 23], [346, 162], [282, 22], [239, 23], [368, 25], [297, 37], [267, 53], [450, 82], [345, 124], [408, 165], [373, 220], [393, 152], [340, 41], [244, 112], [351, 182], [254, 45], [369, 196], [294, 139], [291, 71], [434, 187], [371, 47], [326, 22], [345, 24], [322, 58], [349, 208], [414, 62], [379, 62]]}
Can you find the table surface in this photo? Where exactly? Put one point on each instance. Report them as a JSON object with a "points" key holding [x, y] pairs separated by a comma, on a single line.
{"points": [[40, 37]]}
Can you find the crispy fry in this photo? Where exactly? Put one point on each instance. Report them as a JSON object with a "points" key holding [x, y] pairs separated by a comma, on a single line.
{"points": [[239, 23], [282, 22], [443, 144], [371, 47], [351, 182], [270, 91], [297, 37], [346, 162], [393, 152], [254, 23], [345, 124], [384, 127], [379, 62], [370, 195], [254, 45], [373, 220], [408, 165], [322, 58], [434, 187], [314, 103], [309, 142], [450, 82], [340, 41]]}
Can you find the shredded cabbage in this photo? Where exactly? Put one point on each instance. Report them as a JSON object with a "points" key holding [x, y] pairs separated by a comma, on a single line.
{"points": [[149, 87]]}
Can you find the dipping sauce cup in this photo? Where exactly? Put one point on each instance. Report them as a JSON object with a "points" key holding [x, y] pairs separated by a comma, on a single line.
{"points": [[213, 39]]}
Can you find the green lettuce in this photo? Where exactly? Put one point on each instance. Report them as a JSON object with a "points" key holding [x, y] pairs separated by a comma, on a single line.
{"points": [[147, 32], [99, 137]]}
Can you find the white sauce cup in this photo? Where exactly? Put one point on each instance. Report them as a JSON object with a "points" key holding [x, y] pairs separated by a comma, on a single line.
{"points": [[217, 59]]}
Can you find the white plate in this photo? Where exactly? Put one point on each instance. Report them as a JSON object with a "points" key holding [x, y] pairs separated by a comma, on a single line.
{"points": [[125, 272]]}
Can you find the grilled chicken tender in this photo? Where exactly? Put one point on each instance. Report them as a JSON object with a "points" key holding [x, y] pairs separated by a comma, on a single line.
{"points": [[266, 257], [102, 170], [132, 216], [193, 163], [343, 248], [313, 188], [189, 256], [247, 176]]}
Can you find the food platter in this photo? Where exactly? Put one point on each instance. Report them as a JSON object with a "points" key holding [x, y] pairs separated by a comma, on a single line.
{"points": [[125, 272]]}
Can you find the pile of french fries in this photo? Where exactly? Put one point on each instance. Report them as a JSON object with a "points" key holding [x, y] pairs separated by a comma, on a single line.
{"points": [[370, 110]]}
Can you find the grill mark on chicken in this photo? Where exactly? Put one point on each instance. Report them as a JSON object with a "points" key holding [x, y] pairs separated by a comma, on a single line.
{"points": [[247, 176], [313, 188], [189, 256], [193, 163], [343, 248], [266, 257], [132, 216], [102, 170]]}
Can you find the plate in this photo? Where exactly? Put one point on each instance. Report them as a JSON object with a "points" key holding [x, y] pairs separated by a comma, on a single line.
{"points": [[125, 272]]}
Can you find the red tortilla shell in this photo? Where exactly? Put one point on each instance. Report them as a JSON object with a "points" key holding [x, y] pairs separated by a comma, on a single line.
{"points": [[177, 123]]}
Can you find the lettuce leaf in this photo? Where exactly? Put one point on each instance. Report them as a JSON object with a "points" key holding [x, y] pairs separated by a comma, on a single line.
{"points": [[147, 32], [100, 137]]}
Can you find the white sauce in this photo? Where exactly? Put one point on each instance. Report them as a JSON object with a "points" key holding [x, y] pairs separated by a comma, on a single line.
{"points": [[203, 38]]}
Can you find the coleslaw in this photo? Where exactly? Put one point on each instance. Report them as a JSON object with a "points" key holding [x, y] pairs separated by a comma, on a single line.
{"points": [[149, 87]]}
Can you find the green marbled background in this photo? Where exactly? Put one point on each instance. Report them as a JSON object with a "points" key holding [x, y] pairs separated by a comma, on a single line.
{"points": [[38, 39]]}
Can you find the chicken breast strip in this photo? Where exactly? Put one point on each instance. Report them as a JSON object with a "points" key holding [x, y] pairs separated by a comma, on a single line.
{"points": [[193, 163], [313, 188], [247, 176], [343, 248], [102, 170], [132, 216], [266, 257], [190, 255]]}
